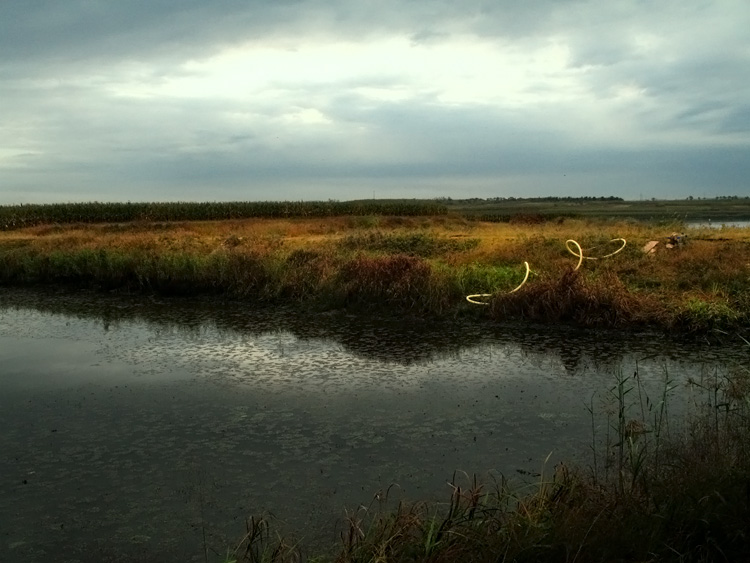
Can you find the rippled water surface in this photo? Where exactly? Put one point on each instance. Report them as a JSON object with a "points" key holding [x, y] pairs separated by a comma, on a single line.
{"points": [[132, 428]]}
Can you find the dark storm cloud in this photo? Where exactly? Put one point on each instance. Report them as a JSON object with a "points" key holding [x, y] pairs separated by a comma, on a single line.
{"points": [[737, 121], [92, 31], [650, 97], [79, 31]]}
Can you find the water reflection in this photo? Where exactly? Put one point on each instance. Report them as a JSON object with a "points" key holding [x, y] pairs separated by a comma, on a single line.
{"points": [[405, 340]]}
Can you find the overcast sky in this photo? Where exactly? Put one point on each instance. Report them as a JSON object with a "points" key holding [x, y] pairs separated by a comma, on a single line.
{"points": [[117, 100]]}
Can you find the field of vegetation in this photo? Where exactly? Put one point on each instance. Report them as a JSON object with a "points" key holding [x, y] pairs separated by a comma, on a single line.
{"points": [[332, 255], [691, 209], [493, 209], [20, 216], [422, 262]]}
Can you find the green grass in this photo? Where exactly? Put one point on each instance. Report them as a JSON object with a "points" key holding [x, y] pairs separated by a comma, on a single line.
{"points": [[702, 313], [483, 278], [418, 243]]}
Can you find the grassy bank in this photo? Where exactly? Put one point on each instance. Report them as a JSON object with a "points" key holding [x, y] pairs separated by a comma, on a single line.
{"points": [[420, 263], [658, 489]]}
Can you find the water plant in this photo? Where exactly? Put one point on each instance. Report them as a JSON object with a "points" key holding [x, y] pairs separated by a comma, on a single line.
{"points": [[416, 263]]}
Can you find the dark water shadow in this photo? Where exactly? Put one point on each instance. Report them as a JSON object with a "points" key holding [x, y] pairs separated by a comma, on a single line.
{"points": [[407, 339]]}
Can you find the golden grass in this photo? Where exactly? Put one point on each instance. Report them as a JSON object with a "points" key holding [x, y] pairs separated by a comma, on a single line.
{"points": [[510, 241], [708, 279]]}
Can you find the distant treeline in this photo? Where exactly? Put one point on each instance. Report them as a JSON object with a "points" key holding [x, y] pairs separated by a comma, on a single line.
{"points": [[19, 216]]}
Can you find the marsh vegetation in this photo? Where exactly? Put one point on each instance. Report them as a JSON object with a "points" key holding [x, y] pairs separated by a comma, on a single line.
{"points": [[420, 263]]}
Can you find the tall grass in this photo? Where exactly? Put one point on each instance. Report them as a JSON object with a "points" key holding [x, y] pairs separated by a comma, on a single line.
{"points": [[418, 243], [578, 298], [414, 263]]}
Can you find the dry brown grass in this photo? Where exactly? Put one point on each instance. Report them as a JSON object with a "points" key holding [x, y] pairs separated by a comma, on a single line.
{"points": [[706, 282], [499, 241], [574, 297]]}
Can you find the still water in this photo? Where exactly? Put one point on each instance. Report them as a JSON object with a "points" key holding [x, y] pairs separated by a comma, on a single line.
{"points": [[145, 430], [717, 224]]}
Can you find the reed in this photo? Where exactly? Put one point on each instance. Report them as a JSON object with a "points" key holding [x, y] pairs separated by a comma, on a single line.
{"points": [[575, 297], [418, 263]]}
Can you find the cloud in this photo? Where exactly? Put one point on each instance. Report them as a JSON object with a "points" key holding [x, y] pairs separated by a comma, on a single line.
{"points": [[267, 99]]}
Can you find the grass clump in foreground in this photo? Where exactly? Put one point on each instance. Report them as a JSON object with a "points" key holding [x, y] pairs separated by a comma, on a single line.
{"points": [[655, 492]]}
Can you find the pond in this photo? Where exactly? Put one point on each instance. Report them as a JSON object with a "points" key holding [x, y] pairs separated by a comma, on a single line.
{"points": [[717, 224], [137, 429]]}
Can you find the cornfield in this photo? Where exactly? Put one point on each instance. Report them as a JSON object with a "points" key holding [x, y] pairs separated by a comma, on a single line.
{"points": [[20, 216]]}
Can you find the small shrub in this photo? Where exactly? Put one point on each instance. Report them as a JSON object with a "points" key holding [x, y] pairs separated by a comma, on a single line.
{"points": [[421, 244], [399, 279], [574, 297]]}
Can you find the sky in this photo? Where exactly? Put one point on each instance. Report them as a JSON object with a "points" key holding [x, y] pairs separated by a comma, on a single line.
{"points": [[224, 100]]}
